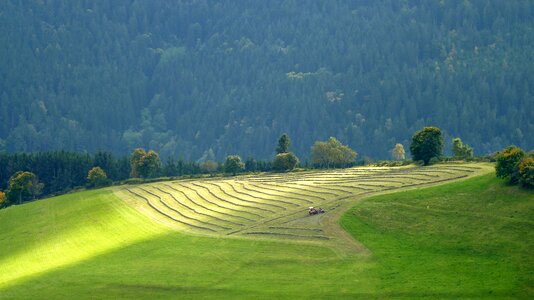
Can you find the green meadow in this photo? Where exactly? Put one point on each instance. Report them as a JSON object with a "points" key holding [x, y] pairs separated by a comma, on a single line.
{"points": [[471, 238]]}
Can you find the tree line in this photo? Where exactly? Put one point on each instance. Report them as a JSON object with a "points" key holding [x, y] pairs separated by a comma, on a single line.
{"points": [[28, 176]]}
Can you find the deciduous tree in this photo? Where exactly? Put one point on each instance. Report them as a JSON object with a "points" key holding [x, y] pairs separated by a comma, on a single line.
{"points": [[150, 165], [507, 165], [459, 149], [398, 152], [97, 177], [135, 161], [331, 154], [233, 164], [23, 186], [426, 144], [285, 162]]}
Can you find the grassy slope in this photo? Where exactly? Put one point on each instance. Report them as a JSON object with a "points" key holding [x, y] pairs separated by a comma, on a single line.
{"points": [[92, 245], [473, 238]]}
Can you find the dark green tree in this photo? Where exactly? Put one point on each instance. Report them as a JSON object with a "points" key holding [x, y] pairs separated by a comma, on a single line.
{"points": [[283, 144], [507, 165], [285, 162], [233, 164], [427, 144]]}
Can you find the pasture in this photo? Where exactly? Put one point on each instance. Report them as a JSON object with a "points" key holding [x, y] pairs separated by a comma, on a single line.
{"points": [[251, 236]]}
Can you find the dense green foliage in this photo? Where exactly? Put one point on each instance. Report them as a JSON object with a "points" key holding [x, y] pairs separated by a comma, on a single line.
{"points": [[181, 77], [427, 144], [285, 161], [23, 186], [470, 239], [526, 172], [507, 165], [331, 154], [461, 150], [233, 164], [283, 144], [96, 177]]}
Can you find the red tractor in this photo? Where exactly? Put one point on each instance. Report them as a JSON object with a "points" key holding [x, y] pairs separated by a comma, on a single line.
{"points": [[315, 211]]}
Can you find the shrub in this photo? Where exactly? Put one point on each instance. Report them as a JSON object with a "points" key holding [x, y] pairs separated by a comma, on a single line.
{"points": [[508, 163], [526, 172]]}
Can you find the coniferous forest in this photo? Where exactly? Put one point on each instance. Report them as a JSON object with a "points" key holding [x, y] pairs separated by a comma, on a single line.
{"points": [[184, 77]]}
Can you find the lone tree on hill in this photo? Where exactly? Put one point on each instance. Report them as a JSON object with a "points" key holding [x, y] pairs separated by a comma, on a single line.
{"points": [[460, 149], [507, 165], [283, 144], [97, 177], [398, 152], [426, 144], [233, 164], [23, 186], [331, 154], [285, 162]]}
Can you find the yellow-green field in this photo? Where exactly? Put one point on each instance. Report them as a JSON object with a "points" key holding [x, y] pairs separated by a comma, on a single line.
{"points": [[276, 205]]}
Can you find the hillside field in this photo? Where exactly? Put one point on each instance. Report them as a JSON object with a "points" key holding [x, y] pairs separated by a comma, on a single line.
{"points": [[251, 236]]}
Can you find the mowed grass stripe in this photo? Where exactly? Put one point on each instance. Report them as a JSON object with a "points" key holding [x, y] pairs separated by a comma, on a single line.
{"points": [[238, 199], [211, 216], [270, 194], [233, 188], [166, 214], [180, 213], [286, 189], [205, 199], [205, 207]]}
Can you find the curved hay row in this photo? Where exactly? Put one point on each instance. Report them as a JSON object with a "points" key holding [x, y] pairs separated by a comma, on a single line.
{"points": [[266, 199], [180, 213], [165, 214], [205, 207], [194, 210], [244, 187], [218, 205], [275, 188], [237, 198], [312, 185]]}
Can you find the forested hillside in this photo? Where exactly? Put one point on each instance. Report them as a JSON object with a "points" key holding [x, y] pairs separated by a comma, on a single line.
{"points": [[182, 77]]}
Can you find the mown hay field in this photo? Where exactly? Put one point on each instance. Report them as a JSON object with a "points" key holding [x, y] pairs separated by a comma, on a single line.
{"points": [[276, 205]]}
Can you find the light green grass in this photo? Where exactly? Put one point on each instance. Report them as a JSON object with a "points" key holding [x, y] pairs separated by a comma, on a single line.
{"points": [[466, 244], [473, 238], [93, 245]]}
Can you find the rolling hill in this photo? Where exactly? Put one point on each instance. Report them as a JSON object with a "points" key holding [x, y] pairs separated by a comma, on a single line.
{"points": [[250, 236]]}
